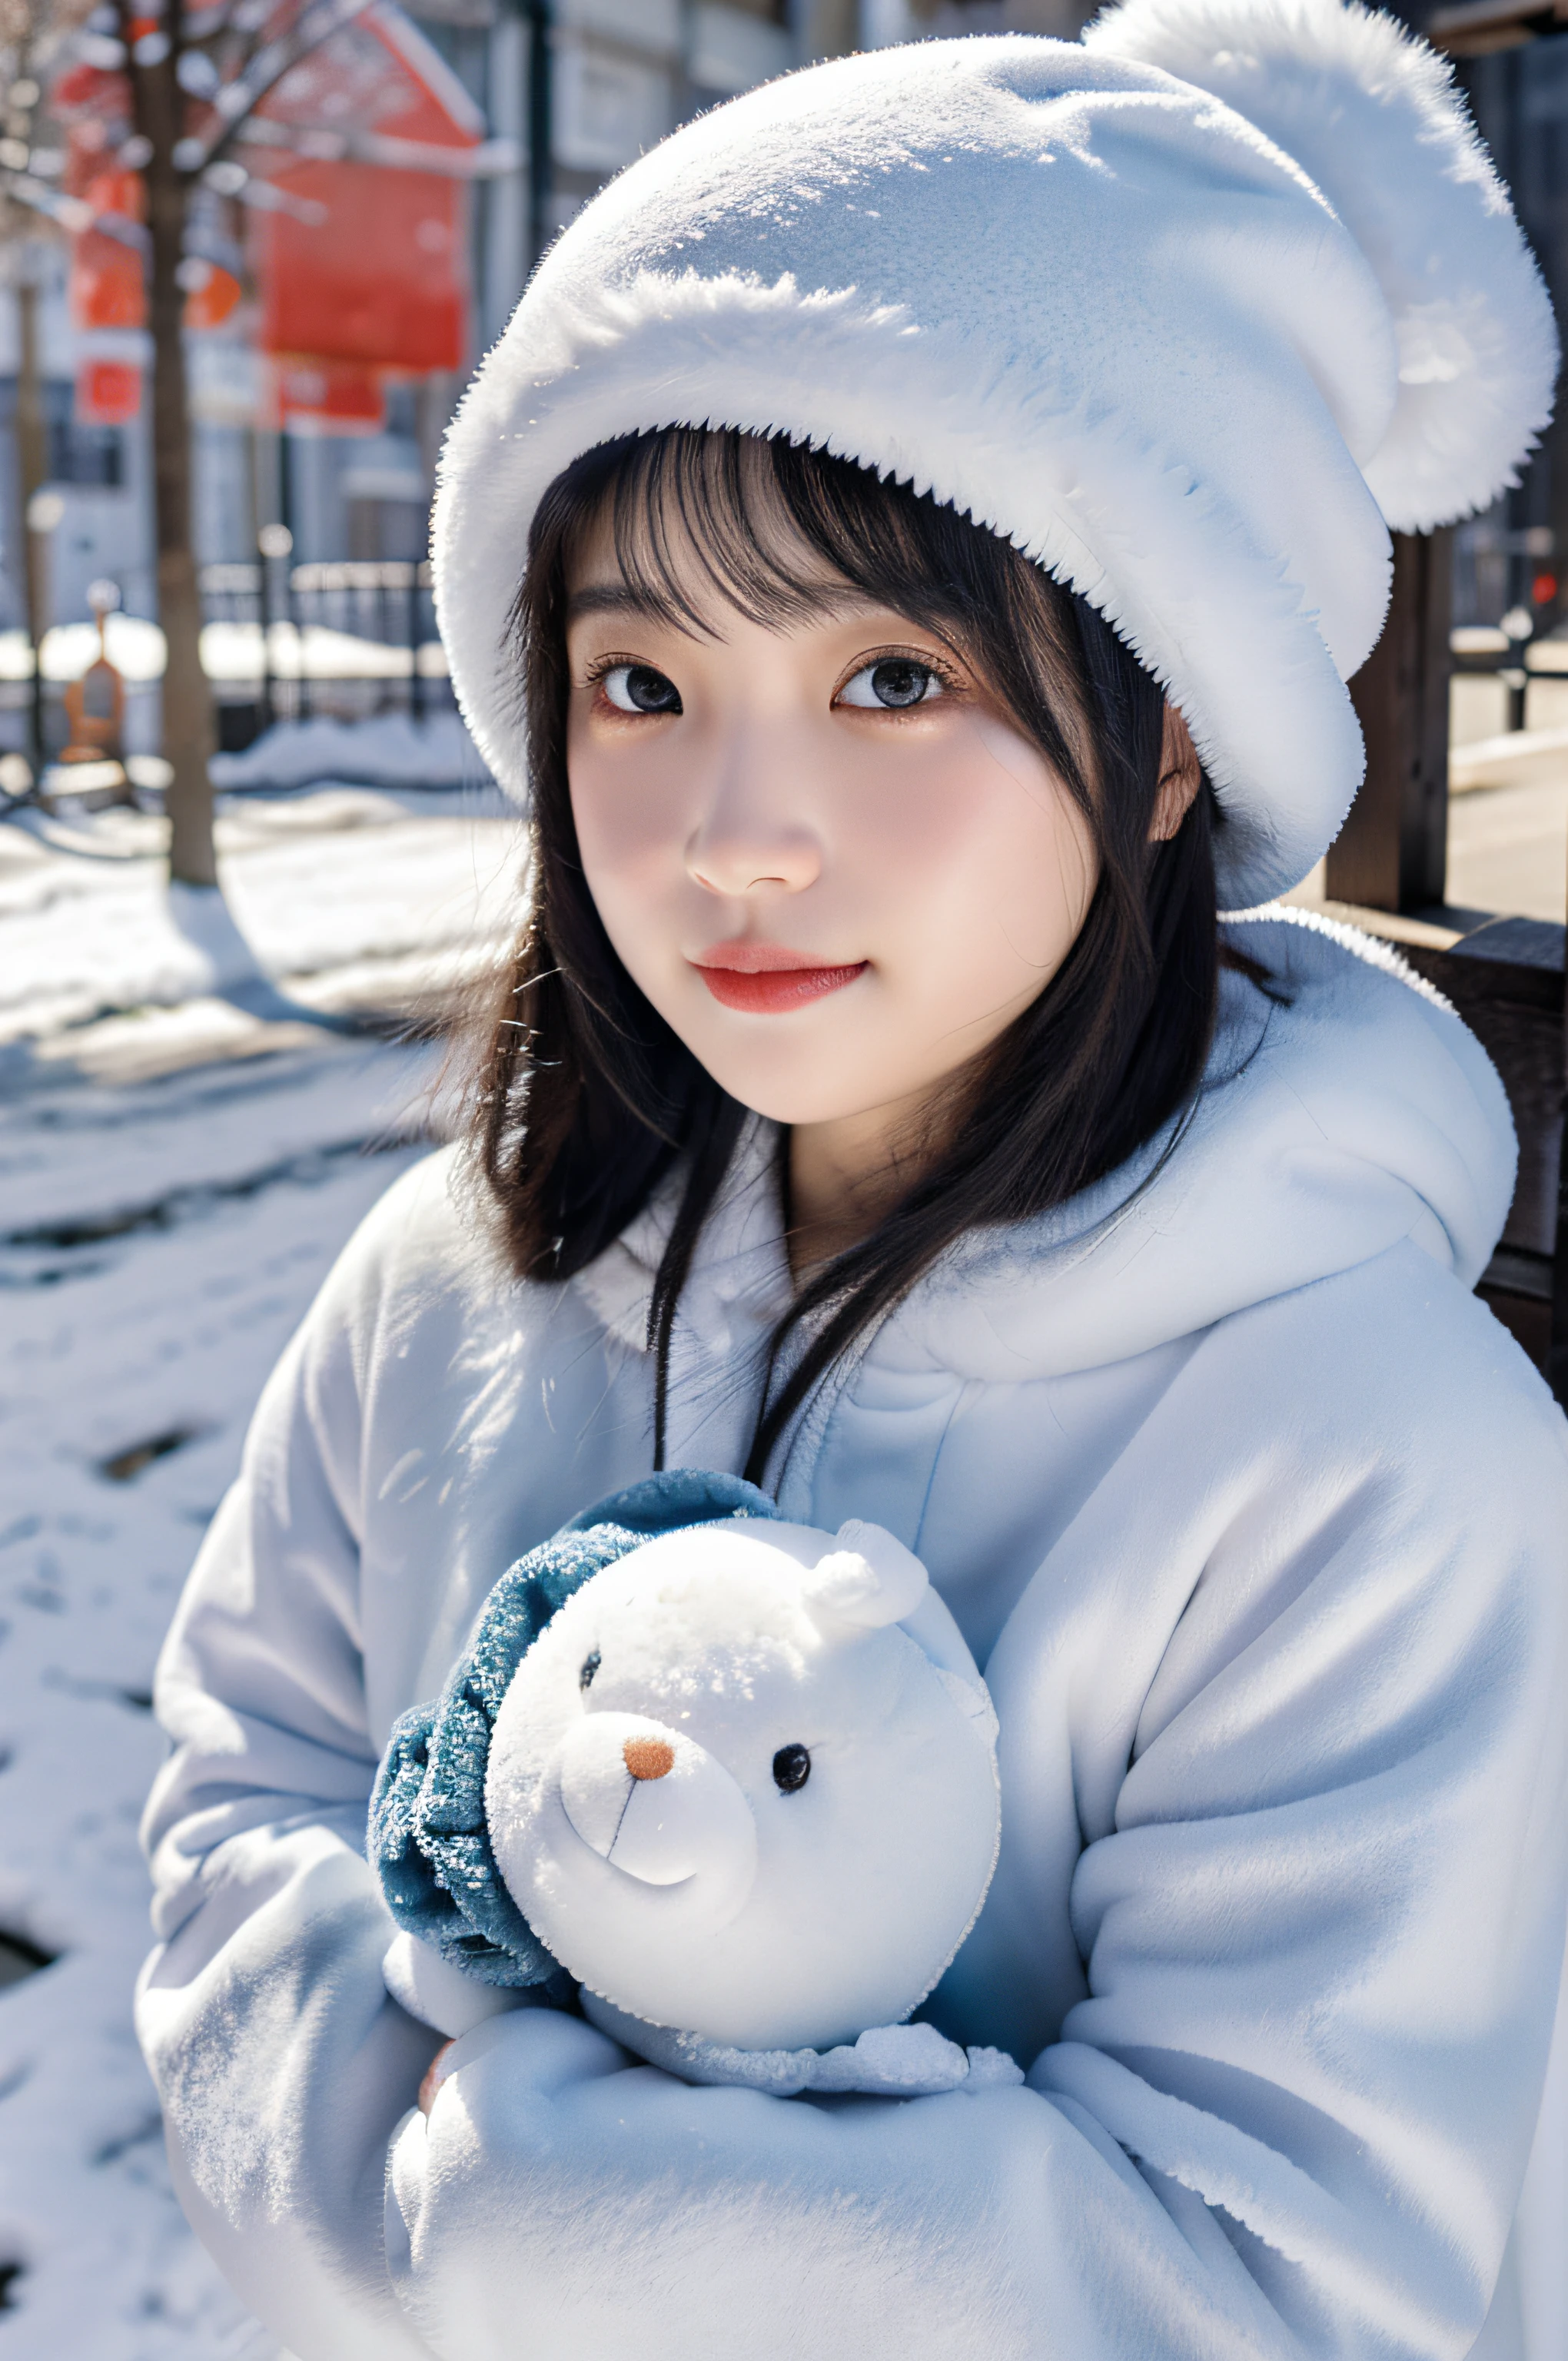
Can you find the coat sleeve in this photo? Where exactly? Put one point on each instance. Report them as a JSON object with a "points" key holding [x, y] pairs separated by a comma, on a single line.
{"points": [[1320, 1908], [282, 2064]]}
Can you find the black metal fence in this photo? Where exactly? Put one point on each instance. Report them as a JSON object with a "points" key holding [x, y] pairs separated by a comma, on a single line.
{"points": [[282, 643]]}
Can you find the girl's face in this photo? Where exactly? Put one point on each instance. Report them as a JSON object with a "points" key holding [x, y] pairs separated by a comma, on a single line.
{"points": [[833, 866]]}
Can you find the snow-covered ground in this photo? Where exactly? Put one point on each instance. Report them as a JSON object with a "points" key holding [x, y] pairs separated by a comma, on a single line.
{"points": [[175, 1178], [354, 896]]}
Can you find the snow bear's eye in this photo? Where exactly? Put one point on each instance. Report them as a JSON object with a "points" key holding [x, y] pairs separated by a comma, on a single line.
{"points": [[590, 1666], [792, 1769]]}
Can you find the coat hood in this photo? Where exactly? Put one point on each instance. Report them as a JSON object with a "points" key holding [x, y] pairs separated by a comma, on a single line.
{"points": [[1351, 1111]]}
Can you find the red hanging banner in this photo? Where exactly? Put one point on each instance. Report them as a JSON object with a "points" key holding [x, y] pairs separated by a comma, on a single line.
{"points": [[371, 265], [109, 393], [328, 396], [382, 280]]}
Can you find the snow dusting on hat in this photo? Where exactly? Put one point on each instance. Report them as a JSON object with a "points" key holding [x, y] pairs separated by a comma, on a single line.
{"points": [[1191, 311]]}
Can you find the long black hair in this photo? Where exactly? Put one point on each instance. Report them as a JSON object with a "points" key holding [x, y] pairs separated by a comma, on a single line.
{"points": [[587, 1099]]}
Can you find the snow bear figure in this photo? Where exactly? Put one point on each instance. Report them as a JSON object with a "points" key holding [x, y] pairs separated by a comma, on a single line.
{"points": [[742, 1785]]}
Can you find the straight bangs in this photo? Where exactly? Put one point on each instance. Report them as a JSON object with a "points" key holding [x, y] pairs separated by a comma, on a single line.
{"points": [[587, 1101], [777, 531]]}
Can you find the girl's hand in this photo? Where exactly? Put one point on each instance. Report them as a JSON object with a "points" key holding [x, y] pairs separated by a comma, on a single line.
{"points": [[435, 2074], [581, 2202]]}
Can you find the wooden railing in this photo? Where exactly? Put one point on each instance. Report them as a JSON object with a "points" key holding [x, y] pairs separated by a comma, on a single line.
{"points": [[1504, 974]]}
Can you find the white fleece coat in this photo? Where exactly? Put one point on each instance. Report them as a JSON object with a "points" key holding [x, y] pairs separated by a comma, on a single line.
{"points": [[1254, 1518]]}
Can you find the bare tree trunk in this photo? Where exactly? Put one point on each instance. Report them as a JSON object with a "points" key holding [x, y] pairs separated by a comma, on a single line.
{"points": [[32, 460], [188, 736]]}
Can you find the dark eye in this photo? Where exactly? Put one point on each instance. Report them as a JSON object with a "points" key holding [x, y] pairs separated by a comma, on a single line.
{"points": [[590, 1666], [792, 1769], [892, 682], [638, 688]]}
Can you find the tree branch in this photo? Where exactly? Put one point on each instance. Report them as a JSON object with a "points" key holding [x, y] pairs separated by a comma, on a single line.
{"points": [[238, 100]]}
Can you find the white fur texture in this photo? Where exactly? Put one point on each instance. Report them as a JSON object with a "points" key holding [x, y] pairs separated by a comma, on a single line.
{"points": [[1092, 308], [700, 1895], [889, 2061], [1373, 114]]}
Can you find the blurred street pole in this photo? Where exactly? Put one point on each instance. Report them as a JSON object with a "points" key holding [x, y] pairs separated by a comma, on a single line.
{"points": [[509, 216], [540, 132]]}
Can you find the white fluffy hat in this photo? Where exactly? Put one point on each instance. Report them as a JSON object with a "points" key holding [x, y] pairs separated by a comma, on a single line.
{"points": [[1192, 311]]}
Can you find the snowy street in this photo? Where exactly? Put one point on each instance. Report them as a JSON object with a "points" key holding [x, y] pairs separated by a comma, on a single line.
{"points": [[175, 1178]]}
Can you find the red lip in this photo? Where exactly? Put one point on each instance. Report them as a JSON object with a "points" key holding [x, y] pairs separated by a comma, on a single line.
{"points": [[766, 980]]}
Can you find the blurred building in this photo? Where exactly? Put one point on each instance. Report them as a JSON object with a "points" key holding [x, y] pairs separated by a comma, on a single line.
{"points": [[101, 474]]}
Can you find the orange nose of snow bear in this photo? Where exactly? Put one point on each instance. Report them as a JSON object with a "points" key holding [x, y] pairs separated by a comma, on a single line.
{"points": [[658, 1806], [648, 1758]]}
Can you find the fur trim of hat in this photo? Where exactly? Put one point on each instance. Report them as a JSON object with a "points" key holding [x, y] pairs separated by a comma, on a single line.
{"points": [[1191, 312]]}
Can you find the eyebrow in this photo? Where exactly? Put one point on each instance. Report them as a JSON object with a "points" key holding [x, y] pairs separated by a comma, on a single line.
{"points": [[606, 598], [621, 598]]}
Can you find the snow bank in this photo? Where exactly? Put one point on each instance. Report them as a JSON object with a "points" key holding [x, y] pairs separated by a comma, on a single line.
{"points": [[230, 651], [238, 651], [137, 649], [387, 750]]}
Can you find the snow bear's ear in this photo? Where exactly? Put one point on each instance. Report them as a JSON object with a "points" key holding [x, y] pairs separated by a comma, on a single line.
{"points": [[871, 1579]]}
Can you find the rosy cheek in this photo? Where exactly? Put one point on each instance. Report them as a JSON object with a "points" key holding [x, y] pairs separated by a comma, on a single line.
{"points": [[976, 833], [631, 835], [626, 821], [916, 813]]}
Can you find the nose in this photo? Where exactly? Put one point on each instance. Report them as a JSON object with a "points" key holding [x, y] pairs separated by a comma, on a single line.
{"points": [[752, 837], [738, 866], [648, 1758], [654, 1804]]}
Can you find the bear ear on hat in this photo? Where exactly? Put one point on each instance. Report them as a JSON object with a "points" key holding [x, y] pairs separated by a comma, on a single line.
{"points": [[871, 1580]]}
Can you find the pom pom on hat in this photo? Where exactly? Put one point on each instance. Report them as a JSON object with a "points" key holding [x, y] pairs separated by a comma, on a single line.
{"points": [[1185, 312], [1372, 115]]}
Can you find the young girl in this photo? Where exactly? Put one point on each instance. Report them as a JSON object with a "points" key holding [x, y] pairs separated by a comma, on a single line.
{"points": [[910, 546]]}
